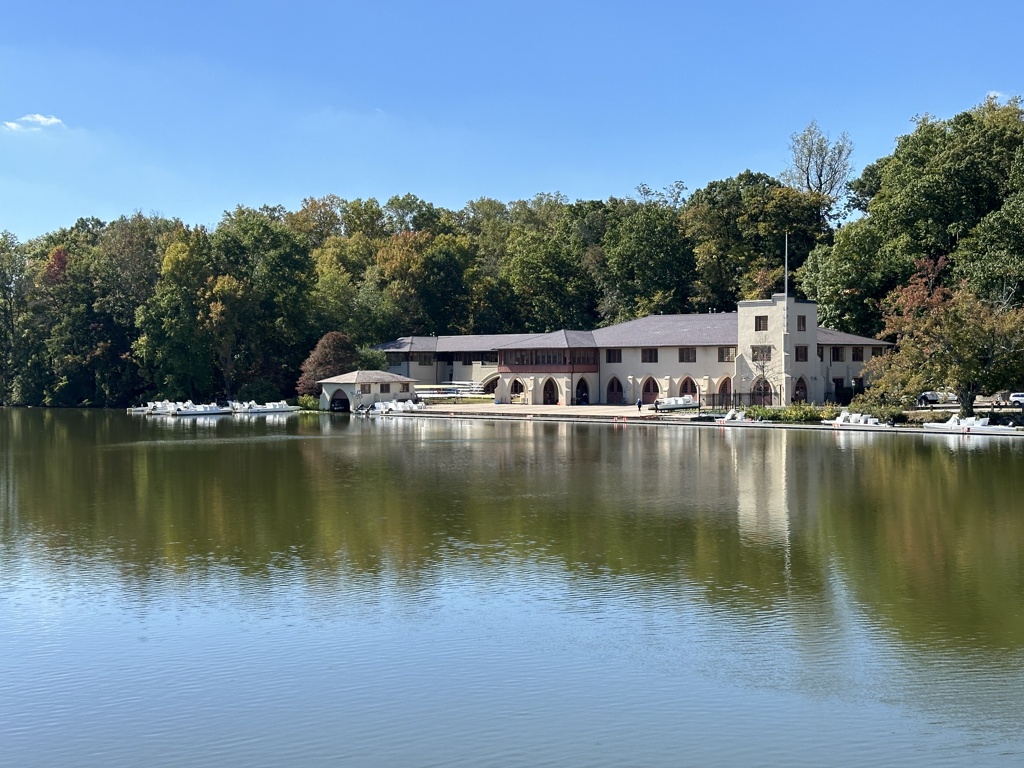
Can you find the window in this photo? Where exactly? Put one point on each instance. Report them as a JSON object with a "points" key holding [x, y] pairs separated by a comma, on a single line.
{"points": [[838, 354], [648, 355], [489, 358], [761, 353], [403, 387], [423, 358], [395, 359], [858, 355], [876, 351], [687, 354], [385, 389], [801, 354], [467, 358], [364, 389], [760, 322], [613, 355], [801, 322], [821, 352], [726, 354]]}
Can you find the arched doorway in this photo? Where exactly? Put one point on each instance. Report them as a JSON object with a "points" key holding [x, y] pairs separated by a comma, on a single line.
{"points": [[651, 391], [582, 392], [761, 392], [725, 392], [518, 391], [800, 391], [340, 402], [490, 386], [688, 387], [614, 394], [550, 392]]}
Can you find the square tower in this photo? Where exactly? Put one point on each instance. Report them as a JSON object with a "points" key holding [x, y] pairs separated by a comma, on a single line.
{"points": [[776, 352]]}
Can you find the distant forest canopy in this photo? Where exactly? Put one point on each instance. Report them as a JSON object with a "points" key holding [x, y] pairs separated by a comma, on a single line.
{"points": [[108, 313]]}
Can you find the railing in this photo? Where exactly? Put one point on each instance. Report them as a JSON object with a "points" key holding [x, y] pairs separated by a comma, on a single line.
{"points": [[453, 390]]}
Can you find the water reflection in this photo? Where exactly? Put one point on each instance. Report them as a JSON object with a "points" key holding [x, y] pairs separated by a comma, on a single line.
{"points": [[922, 531], [826, 566]]}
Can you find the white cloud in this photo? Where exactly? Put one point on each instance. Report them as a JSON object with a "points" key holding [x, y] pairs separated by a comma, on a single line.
{"points": [[34, 122]]}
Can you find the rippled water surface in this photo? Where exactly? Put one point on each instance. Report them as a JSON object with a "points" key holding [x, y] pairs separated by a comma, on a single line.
{"points": [[320, 590]]}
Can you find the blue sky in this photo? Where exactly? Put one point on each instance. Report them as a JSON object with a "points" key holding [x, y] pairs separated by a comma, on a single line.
{"points": [[188, 109]]}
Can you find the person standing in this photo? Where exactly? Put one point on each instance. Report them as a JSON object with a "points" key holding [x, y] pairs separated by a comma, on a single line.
{"points": [[639, 404]]}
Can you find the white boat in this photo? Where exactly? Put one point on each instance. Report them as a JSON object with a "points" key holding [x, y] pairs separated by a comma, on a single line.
{"points": [[674, 403], [980, 426], [166, 407], [734, 418], [203, 409], [253, 408], [952, 425], [847, 420]]}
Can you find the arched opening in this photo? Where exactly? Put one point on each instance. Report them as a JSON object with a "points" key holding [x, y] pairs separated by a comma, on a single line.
{"points": [[550, 392], [340, 402], [651, 391], [688, 387], [761, 392], [490, 386], [614, 395], [725, 392], [800, 391], [518, 391], [582, 392]]}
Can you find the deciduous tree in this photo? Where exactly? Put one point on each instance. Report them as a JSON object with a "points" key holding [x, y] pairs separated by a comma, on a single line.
{"points": [[949, 338], [333, 355]]}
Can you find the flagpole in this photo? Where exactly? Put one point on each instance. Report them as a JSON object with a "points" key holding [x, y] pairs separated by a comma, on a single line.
{"points": [[785, 278]]}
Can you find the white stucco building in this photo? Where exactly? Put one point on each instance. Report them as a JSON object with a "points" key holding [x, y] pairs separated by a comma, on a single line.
{"points": [[770, 351], [350, 391]]}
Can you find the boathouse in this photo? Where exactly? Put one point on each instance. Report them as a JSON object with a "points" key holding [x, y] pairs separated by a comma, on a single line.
{"points": [[356, 389]]}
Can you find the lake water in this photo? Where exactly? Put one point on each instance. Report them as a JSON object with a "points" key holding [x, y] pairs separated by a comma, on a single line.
{"points": [[325, 590]]}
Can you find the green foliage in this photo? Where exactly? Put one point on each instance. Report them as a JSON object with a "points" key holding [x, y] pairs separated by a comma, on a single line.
{"points": [[262, 313], [797, 413], [649, 263], [738, 229], [947, 338], [849, 278], [13, 287], [106, 313], [309, 402], [260, 391], [372, 360]]}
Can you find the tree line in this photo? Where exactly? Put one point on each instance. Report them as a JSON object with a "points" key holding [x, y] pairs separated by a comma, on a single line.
{"points": [[108, 313]]}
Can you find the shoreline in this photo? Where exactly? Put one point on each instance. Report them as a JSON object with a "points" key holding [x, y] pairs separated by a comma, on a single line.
{"points": [[623, 415]]}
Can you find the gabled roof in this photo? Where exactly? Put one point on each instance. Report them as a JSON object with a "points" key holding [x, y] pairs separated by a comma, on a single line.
{"points": [[838, 338], [714, 329], [479, 343], [367, 377], [441, 344], [554, 340], [410, 344]]}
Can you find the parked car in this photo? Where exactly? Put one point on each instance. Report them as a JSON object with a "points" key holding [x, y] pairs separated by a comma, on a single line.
{"points": [[1016, 398], [931, 397]]}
